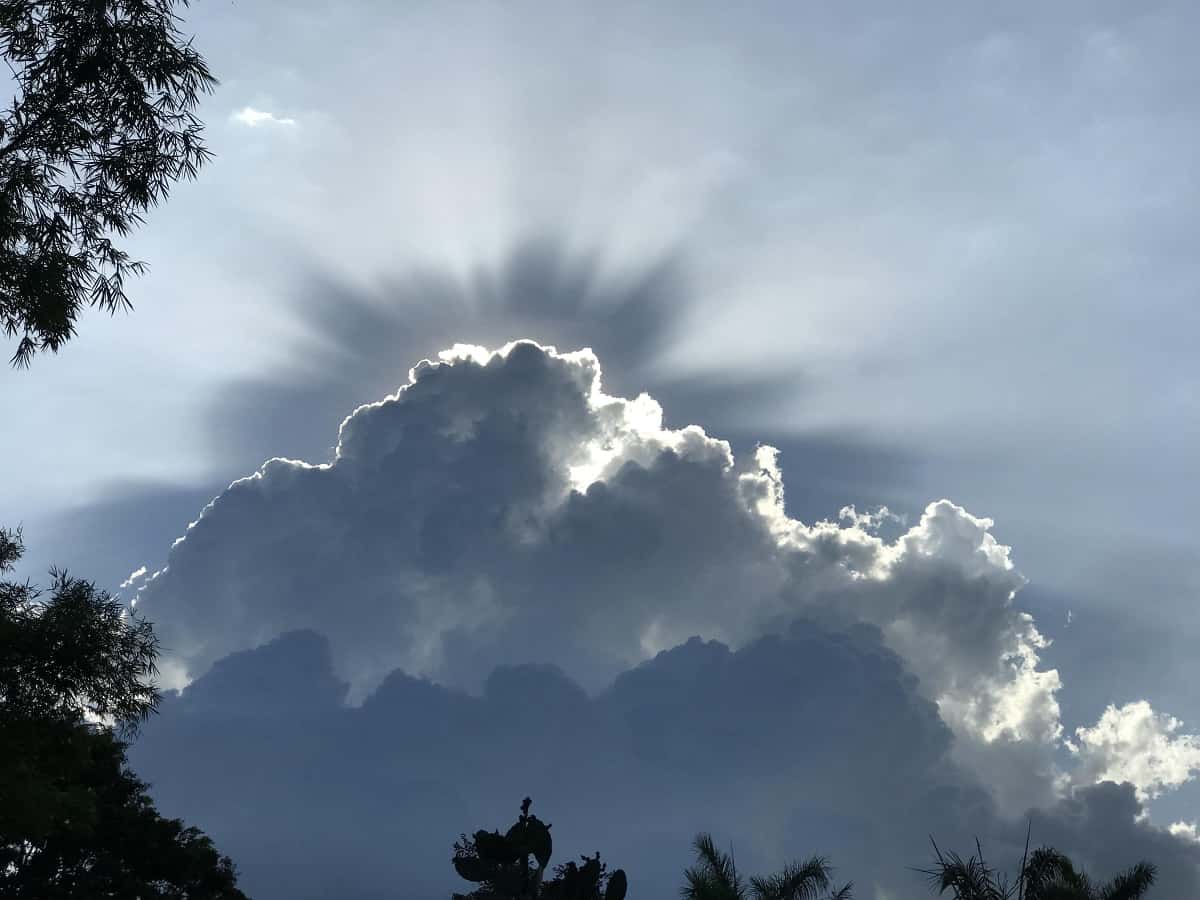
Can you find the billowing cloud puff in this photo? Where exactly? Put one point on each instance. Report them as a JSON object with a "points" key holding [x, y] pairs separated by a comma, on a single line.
{"points": [[500, 508], [1134, 744]]}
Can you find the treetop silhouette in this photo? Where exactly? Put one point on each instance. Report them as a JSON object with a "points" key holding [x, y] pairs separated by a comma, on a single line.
{"points": [[101, 125], [715, 877], [74, 654], [1045, 874], [500, 865]]}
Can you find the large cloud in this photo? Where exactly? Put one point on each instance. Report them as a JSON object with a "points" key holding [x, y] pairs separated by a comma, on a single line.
{"points": [[502, 509]]}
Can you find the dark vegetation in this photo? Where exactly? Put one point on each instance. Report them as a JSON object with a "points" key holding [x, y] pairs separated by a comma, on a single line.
{"points": [[715, 877], [101, 125], [1045, 874], [512, 866], [75, 673]]}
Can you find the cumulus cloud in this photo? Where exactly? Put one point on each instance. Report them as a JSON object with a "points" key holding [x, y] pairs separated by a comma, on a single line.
{"points": [[502, 508], [253, 118], [501, 570], [1133, 743]]}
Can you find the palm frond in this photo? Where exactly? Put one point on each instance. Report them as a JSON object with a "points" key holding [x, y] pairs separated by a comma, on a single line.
{"points": [[796, 881], [967, 879], [715, 876], [700, 885], [1130, 884]]}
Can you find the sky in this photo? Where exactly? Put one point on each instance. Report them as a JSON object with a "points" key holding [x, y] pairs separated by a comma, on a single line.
{"points": [[775, 267]]}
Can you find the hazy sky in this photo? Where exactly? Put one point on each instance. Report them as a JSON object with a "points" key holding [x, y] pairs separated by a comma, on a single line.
{"points": [[925, 250]]}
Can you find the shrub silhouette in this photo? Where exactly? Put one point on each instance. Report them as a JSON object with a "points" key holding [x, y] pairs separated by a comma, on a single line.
{"points": [[500, 865]]}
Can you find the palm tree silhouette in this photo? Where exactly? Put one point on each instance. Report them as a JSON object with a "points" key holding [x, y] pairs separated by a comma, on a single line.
{"points": [[1046, 874], [715, 877]]}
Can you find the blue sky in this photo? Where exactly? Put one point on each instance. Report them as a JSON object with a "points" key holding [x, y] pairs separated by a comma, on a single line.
{"points": [[926, 252]]}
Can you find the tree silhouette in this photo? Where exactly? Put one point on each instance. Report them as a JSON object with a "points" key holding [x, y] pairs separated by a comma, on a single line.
{"points": [[74, 821], [715, 877], [75, 655], [101, 126], [500, 865], [1045, 874]]}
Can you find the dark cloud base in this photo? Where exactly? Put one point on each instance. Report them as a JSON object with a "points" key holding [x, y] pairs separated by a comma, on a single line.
{"points": [[814, 741]]}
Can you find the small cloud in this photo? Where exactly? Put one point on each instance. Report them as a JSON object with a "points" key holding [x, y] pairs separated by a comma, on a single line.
{"points": [[252, 118], [1136, 744], [1185, 830]]}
